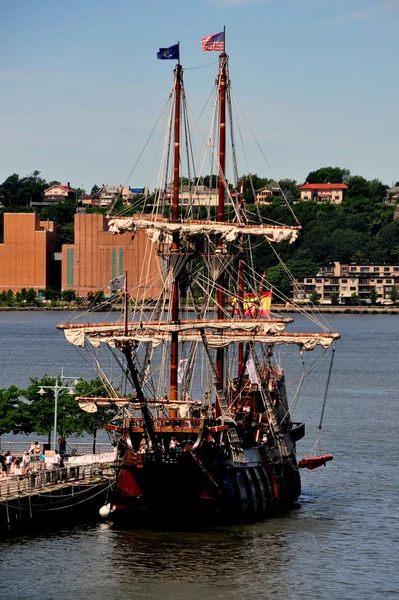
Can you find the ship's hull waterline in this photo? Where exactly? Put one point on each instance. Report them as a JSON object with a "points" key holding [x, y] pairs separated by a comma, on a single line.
{"points": [[189, 490]]}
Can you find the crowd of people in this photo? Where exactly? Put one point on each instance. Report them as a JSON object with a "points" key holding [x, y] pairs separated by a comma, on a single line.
{"points": [[23, 465]]}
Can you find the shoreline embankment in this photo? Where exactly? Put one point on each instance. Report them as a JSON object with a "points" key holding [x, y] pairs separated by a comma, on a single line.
{"points": [[288, 308]]}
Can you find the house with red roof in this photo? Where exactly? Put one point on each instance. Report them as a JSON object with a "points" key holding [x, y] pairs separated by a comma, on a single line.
{"points": [[323, 192], [54, 194]]}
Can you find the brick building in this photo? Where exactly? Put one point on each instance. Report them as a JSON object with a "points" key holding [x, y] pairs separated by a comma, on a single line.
{"points": [[27, 254], [98, 256]]}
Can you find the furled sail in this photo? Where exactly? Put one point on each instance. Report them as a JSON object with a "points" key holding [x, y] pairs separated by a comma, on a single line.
{"points": [[221, 339], [228, 231]]}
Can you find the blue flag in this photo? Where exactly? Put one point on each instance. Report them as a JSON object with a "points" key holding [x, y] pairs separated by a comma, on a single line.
{"points": [[171, 53]]}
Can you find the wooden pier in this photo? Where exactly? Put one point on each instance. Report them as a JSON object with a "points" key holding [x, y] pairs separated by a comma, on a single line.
{"points": [[54, 497]]}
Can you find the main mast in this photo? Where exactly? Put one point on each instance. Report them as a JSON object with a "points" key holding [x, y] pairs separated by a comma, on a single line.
{"points": [[221, 201], [174, 357]]}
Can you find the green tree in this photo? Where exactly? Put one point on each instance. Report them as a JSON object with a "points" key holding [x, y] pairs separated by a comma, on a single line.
{"points": [[290, 189], [21, 192], [40, 409], [328, 175], [31, 297], [314, 298], [68, 295], [378, 190], [279, 279], [11, 411], [394, 294], [94, 190], [93, 422], [52, 295], [358, 186], [334, 298], [373, 295], [354, 298]]}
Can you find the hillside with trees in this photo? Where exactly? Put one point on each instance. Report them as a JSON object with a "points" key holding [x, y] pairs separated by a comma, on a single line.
{"points": [[362, 229]]}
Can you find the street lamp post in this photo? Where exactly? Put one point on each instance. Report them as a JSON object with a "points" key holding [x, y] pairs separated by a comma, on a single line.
{"points": [[56, 389]]}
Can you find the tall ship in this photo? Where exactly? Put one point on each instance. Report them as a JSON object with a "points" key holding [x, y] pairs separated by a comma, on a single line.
{"points": [[202, 420]]}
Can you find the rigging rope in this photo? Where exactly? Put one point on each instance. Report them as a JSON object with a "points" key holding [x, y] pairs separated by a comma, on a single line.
{"points": [[327, 386]]}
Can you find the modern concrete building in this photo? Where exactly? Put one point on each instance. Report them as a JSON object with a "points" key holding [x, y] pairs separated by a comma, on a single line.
{"points": [[97, 256], [344, 280], [27, 254]]}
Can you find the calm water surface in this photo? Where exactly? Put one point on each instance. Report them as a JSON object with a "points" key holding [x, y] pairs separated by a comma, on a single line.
{"points": [[341, 542]]}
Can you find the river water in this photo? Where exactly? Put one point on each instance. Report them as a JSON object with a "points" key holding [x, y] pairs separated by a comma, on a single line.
{"points": [[341, 542]]}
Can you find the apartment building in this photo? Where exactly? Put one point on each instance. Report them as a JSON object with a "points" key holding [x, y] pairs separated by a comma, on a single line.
{"points": [[342, 281]]}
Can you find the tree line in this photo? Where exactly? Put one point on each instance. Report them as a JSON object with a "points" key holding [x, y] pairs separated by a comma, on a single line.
{"points": [[25, 411], [360, 230]]}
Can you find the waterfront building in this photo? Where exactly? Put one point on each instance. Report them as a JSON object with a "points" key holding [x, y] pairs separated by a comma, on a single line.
{"points": [[323, 192], [28, 257], [97, 256], [343, 281]]}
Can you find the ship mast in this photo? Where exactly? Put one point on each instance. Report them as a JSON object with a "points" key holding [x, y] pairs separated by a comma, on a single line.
{"points": [[221, 201], [175, 248]]}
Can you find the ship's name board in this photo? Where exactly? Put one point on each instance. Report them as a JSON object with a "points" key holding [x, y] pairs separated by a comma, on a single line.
{"points": [[91, 459]]}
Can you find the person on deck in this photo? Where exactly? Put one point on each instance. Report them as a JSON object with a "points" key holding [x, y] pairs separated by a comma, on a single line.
{"points": [[26, 462], [3, 463], [9, 460]]}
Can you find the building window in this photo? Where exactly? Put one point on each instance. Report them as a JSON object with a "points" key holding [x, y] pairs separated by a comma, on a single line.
{"points": [[379, 280], [389, 281], [319, 281], [344, 288], [113, 267], [352, 289], [121, 262], [376, 269], [70, 266], [353, 269], [344, 281], [309, 281], [386, 269], [336, 197]]}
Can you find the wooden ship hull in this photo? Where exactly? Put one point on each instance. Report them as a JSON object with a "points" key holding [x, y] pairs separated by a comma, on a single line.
{"points": [[204, 479]]}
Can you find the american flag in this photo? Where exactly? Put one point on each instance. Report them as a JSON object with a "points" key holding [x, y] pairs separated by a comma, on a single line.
{"points": [[213, 42]]}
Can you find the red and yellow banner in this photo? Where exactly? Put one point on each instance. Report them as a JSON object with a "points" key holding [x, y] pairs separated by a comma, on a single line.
{"points": [[254, 305]]}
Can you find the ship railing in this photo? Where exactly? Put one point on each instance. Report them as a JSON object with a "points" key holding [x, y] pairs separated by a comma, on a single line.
{"points": [[171, 423], [34, 481]]}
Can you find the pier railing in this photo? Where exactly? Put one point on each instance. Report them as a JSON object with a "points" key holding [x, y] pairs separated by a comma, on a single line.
{"points": [[17, 448], [14, 485]]}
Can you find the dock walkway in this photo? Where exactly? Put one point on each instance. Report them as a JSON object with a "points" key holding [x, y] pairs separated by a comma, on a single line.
{"points": [[56, 495]]}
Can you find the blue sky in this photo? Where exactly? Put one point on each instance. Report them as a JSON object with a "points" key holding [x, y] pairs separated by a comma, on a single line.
{"points": [[81, 88]]}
